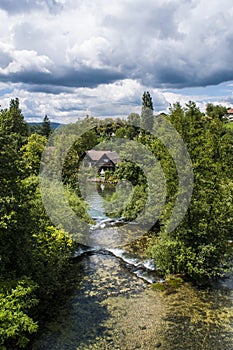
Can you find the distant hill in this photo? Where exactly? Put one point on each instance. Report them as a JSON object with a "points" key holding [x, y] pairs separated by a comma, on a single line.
{"points": [[35, 125]]}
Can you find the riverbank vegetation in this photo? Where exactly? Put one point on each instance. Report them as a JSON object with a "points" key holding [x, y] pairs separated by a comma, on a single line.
{"points": [[35, 255], [199, 246]]}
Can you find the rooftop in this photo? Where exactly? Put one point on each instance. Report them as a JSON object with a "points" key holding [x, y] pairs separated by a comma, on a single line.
{"points": [[96, 155]]}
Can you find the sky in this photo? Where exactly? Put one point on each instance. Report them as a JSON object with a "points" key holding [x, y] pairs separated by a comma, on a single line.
{"points": [[70, 58]]}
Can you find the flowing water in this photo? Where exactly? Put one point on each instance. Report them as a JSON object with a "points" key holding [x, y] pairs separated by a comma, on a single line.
{"points": [[112, 304]]}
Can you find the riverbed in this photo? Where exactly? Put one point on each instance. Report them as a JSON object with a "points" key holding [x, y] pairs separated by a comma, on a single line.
{"points": [[113, 305]]}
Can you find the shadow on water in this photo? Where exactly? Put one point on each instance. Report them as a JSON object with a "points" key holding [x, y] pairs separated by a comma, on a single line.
{"points": [[77, 320], [82, 325], [81, 320]]}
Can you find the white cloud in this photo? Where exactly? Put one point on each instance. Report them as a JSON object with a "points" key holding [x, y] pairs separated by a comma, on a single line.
{"points": [[102, 55], [25, 60], [90, 53]]}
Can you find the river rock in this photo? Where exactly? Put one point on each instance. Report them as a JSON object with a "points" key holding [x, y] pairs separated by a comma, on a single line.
{"points": [[142, 327], [157, 345]]}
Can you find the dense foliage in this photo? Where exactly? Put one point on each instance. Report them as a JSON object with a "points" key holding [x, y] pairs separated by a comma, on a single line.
{"points": [[199, 247], [34, 254]]}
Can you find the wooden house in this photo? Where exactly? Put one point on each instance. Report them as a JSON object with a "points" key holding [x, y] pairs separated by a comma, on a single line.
{"points": [[102, 160], [229, 115]]}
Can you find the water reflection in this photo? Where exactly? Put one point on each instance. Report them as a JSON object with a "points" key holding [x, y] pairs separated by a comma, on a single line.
{"points": [[94, 195]]}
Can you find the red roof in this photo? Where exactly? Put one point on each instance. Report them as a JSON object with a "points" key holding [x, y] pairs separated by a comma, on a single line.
{"points": [[230, 111]]}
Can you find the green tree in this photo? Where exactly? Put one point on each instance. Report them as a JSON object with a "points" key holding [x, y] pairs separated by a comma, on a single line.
{"points": [[199, 247], [11, 209], [147, 119], [215, 111], [12, 120], [70, 170], [18, 124], [147, 101], [134, 118], [31, 249], [31, 154], [46, 127]]}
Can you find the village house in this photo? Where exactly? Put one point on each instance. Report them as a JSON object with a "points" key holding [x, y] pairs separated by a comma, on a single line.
{"points": [[102, 160], [229, 115]]}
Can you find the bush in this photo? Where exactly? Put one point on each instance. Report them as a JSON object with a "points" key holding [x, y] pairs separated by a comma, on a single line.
{"points": [[15, 323]]}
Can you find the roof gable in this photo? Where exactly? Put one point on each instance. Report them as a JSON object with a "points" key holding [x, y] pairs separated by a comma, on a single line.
{"points": [[97, 155], [230, 111]]}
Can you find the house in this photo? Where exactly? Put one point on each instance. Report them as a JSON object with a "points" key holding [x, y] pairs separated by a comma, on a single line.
{"points": [[103, 160], [229, 115]]}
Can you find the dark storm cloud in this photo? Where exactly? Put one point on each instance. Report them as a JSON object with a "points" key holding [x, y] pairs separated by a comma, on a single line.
{"points": [[173, 43], [185, 66], [160, 44], [71, 108], [48, 89], [168, 77], [88, 77], [216, 77]]}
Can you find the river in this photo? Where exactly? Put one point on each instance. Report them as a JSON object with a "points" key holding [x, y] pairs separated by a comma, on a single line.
{"points": [[113, 306]]}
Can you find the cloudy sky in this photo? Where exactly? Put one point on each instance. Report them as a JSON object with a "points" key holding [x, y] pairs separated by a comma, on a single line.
{"points": [[69, 58]]}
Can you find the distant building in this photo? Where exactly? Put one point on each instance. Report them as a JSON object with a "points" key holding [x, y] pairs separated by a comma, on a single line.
{"points": [[102, 160], [229, 115]]}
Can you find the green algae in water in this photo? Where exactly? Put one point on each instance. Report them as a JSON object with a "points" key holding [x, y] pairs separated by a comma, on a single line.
{"points": [[197, 319], [113, 309], [85, 318], [169, 286]]}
